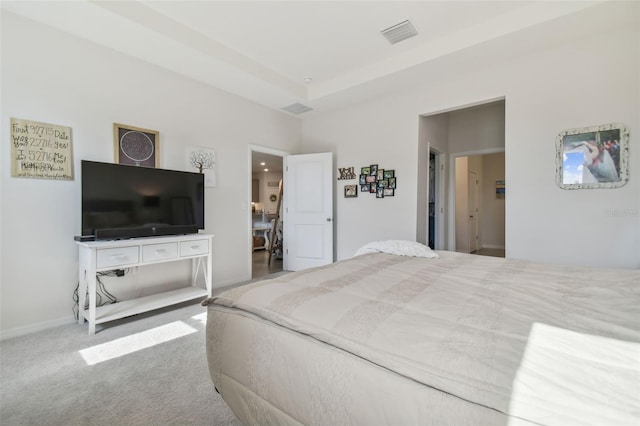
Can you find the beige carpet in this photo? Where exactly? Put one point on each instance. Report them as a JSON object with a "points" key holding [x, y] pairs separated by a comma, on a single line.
{"points": [[137, 378]]}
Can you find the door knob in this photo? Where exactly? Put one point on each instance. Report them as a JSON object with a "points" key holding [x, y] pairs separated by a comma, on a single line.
{"points": [[328, 219]]}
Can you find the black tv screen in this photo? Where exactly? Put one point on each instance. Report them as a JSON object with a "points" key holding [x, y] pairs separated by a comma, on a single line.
{"points": [[122, 201]]}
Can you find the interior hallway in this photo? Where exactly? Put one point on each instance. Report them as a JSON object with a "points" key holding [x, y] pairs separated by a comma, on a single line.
{"points": [[260, 266]]}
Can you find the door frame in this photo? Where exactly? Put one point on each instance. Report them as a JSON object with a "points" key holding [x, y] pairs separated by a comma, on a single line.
{"points": [[440, 189], [451, 216], [474, 231], [249, 237]]}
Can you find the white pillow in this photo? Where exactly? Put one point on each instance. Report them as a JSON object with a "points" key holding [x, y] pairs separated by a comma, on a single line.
{"points": [[398, 247]]}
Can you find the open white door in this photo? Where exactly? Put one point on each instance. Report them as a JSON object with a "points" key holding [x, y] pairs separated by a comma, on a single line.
{"points": [[308, 211]]}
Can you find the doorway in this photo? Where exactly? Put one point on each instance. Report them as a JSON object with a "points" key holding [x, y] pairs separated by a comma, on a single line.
{"points": [[266, 173], [473, 129], [480, 204]]}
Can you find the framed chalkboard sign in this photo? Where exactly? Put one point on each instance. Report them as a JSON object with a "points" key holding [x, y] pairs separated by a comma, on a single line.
{"points": [[136, 146], [41, 150]]}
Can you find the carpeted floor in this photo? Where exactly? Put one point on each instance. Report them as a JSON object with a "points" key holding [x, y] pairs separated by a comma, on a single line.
{"points": [[46, 380]]}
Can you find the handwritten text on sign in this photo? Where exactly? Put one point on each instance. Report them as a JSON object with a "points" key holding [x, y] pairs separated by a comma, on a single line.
{"points": [[40, 150]]}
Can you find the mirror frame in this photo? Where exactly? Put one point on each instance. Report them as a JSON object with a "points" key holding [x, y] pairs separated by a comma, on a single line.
{"points": [[623, 175]]}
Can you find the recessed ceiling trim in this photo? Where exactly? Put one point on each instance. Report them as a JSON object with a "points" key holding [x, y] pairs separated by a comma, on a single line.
{"points": [[133, 29], [399, 32], [166, 26]]}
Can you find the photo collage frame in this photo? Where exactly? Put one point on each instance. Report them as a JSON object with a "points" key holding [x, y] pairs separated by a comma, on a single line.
{"points": [[374, 180]]}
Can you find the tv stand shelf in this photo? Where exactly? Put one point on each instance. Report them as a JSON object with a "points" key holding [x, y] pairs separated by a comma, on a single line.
{"points": [[97, 256]]}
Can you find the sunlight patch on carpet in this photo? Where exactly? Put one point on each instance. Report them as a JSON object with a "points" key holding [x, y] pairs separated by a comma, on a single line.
{"points": [[201, 318], [135, 342]]}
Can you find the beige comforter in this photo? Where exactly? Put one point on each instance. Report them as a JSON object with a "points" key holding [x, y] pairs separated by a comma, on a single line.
{"points": [[538, 343]]}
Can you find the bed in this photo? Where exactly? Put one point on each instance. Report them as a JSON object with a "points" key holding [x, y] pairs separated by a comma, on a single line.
{"points": [[448, 339]]}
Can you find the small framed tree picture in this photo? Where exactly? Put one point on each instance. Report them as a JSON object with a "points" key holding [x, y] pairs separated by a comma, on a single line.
{"points": [[202, 160]]}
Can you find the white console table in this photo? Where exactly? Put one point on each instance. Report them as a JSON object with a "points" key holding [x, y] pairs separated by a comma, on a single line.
{"points": [[262, 231], [97, 256]]}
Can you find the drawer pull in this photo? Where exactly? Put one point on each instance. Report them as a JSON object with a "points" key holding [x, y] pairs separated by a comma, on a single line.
{"points": [[120, 257], [161, 251], [195, 247]]}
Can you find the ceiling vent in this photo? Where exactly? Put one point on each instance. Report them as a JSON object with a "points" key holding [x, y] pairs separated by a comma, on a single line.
{"points": [[297, 108], [399, 32]]}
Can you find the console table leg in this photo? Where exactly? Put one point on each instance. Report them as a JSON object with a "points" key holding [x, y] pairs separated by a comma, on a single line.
{"points": [[82, 294], [207, 275], [195, 269], [92, 303]]}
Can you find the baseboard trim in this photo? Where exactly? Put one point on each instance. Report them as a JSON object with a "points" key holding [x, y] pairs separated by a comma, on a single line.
{"points": [[34, 328], [230, 282], [493, 246], [46, 325]]}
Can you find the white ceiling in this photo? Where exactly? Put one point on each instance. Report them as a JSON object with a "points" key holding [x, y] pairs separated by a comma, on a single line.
{"points": [[263, 50], [272, 163]]}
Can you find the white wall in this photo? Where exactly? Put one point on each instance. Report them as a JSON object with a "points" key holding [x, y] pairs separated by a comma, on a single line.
{"points": [[479, 128], [52, 77], [359, 137], [587, 81]]}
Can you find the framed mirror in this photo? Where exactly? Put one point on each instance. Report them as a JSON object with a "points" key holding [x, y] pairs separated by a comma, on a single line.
{"points": [[593, 157]]}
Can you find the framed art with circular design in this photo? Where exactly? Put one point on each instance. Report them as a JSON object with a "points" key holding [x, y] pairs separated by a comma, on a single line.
{"points": [[136, 146]]}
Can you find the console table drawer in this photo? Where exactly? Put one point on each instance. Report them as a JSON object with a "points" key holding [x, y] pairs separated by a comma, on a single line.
{"points": [[155, 252], [195, 247], [121, 256]]}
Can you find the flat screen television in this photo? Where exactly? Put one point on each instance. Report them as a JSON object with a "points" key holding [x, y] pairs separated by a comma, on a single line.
{"points": [[121, 201]]}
